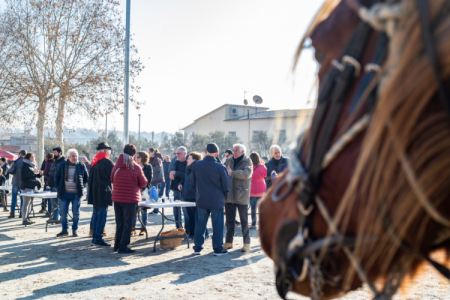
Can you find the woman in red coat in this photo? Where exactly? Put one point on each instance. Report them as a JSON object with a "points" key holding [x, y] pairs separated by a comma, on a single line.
{"points": [[128, 179]]}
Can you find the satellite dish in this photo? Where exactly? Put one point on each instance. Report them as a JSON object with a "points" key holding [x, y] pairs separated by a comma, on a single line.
{"points": [[257, 99], [245, 102]]}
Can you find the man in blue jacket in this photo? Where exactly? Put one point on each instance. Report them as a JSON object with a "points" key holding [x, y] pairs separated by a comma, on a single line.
{"points": [[210, 182]]}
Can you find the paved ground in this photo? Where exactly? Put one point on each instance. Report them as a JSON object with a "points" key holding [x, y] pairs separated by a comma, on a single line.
{"points": [[35, 264]]}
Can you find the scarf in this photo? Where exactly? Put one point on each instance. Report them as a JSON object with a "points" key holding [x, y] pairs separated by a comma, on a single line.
{"points": [[66, 171], [276, 161], [29, 162], [237, 161], [128, 161], [98, 157]]}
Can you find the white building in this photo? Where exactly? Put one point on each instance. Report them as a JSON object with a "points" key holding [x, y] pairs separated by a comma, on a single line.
{"points": [[244, 121]]}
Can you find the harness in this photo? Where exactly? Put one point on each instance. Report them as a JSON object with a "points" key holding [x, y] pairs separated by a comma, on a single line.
{"points": [[299, 253]]}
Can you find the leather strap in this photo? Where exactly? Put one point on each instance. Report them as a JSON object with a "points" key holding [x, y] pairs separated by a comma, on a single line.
{"points": [[427, 34], [336, 88]]}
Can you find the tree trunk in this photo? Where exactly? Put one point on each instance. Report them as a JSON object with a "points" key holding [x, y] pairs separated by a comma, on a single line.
{"points": [[60, 123], [40, 125]]}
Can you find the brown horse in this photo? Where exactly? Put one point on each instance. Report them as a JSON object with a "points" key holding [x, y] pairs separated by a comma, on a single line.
{"points": [[366, 198]]}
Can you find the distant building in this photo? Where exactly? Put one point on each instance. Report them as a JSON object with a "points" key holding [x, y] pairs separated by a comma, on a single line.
{"points": [[244, 121], [12, 149], [18, 141]]}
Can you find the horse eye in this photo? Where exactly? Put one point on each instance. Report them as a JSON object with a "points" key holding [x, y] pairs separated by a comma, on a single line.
{"points": [[319, 56]]}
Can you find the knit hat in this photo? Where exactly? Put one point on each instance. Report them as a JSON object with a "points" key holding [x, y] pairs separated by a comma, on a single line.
{"points": [[212, 148], [129, 149]]}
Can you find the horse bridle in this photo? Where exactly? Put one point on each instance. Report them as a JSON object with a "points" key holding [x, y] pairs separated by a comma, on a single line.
{"points": [[298, 251]]}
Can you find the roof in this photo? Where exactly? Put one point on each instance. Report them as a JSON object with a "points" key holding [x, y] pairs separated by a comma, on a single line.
{"points": [[272, 114], [10, 148], [234, 105], [184, 128]]}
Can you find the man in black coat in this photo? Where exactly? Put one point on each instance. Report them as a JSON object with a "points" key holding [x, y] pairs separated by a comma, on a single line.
{"points": [[100, 191]]}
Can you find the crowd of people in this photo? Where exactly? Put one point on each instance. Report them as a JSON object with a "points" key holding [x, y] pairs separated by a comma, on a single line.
{"points": [[219, 189]]}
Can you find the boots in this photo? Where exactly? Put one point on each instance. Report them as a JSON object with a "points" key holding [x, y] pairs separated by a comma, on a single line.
{"points": [[5, 208], [227, 246], [246, 248], [11, 216]]}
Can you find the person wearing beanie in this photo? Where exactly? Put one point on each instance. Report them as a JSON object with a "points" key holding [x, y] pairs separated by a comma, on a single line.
{"points": [[128, 179], [210, 183]]}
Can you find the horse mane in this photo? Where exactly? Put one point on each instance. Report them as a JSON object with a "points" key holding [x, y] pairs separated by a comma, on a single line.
{"points": [[404, 158]]}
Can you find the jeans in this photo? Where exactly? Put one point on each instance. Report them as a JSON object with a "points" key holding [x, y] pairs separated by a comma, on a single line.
{"points": [[157, 186], [201, 219], [144, 217], [98, 222], [49, 204], [55, 203], [15, 192], [165, 185], [253, 205], [230, 210], [124, 222], [176, 213], [186, 221], [191, 215], [68, 198]]}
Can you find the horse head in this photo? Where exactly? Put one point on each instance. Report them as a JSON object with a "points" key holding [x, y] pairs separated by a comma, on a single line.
{"points": [[365, 197]]}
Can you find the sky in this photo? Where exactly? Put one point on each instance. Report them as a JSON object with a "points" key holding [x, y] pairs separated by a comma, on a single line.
{"points": [[201, 54]]}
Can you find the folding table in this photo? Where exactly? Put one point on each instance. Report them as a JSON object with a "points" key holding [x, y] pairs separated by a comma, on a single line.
{"points": [[161, 207]]}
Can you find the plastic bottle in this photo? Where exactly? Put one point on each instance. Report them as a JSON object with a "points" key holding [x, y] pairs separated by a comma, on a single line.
{"points": [[145, 193], [153, 195]]}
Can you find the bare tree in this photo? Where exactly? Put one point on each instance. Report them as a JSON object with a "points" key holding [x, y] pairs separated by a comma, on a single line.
{"points": [[262, 141], [72, 58]]}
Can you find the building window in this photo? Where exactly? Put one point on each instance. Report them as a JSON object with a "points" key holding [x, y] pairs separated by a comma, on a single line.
{"points": [[232, 133], [281, 137]]}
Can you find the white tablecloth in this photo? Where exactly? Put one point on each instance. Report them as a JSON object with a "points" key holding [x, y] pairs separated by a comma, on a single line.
{"points": [[41, 195], [167, 205]]}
